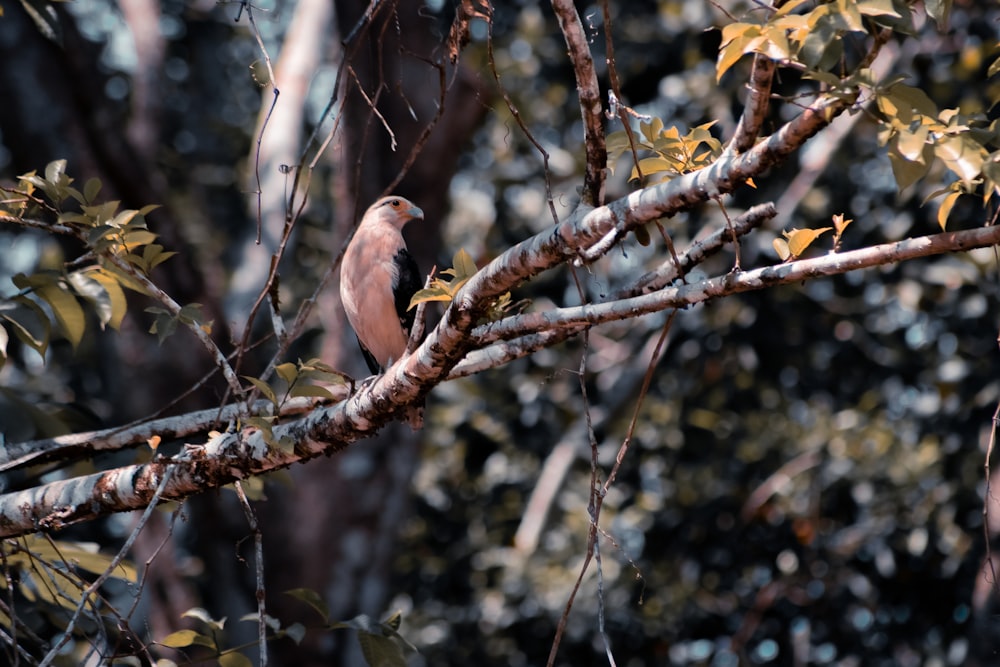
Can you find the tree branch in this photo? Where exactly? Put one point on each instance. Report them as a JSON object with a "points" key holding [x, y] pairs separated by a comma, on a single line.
{"points": [[174, 309], [77, 446], [590, 100], [232, 456], [755, 107]]}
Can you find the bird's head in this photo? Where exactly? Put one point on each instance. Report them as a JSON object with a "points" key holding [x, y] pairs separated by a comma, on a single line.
{"points": [[394, 210]]}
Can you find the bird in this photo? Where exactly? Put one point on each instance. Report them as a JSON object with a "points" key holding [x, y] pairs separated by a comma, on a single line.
{"points": [[378, 277]]}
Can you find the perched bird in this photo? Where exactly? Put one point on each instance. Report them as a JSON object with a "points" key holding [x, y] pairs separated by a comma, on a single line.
{"points": [[378, 277]]}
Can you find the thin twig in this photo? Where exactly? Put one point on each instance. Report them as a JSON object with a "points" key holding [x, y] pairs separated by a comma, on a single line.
{"points": [[258, 545], [115, 562]]}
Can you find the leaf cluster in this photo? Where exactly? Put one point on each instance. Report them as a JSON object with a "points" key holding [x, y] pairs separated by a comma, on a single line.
{"points": [[294, 380], [672, 153], [813, 40], [796, 241], [94, 280], [916, 133], [444, 290], [380, 641], [49, 575]]}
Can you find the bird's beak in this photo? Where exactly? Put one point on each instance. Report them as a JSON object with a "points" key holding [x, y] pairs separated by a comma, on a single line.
{"points": [[416, 213]]}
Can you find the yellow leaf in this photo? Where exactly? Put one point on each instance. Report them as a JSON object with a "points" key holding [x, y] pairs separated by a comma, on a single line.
{"points": [[650, 166], [234, 659], [429, 294], [67, 311], [737, 39], [287, 372], [800, 239], [781, 247], [116, 296], [840, 223], [183, 638], [944, 210], [962, 155], [465, 267]]}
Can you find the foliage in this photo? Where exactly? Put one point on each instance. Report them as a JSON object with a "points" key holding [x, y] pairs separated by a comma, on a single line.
{"points": [[675, 155], [108, 233], [380, 641], [803, 483]]}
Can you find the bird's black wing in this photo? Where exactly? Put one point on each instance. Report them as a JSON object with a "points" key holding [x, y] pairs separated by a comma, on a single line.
{"points": [[407, 283], [373, 364]]}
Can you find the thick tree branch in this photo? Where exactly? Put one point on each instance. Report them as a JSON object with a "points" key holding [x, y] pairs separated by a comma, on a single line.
{"points": [[756, 105], [232, 456], [744, 281], [589, 91], [76, 446]]}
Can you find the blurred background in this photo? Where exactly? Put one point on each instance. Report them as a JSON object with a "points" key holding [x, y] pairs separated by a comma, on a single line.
{"points": [[806, 480]]}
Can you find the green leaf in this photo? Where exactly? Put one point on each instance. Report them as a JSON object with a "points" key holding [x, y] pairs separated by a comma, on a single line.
{"points": [[234, 659], [103, 212], [84, 555], [93, 292], [153, 255], [464, 266], [313, 599], [381, 651], [310, 390], [135, 238], [914, 98], [24, 334], [821, 39], [652, 129], [164, 325], [67, 311], [263, 387], [737, 40], [444, 290], [321, 373], [91, 189]]}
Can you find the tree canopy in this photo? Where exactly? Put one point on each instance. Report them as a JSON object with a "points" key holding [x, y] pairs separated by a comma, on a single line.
{"points": [[708, 336]]}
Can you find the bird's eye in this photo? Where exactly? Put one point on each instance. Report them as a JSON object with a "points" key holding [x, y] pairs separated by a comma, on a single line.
{"points": [[394, 203]]}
